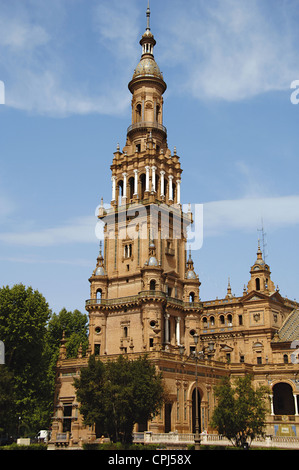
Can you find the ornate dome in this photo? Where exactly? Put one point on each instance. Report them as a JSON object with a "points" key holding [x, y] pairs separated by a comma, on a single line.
{"points": [[100, 271], [152, 261], [147, 67], [191, 275]]}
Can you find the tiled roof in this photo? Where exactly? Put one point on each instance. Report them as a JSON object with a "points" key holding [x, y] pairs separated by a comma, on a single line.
{"points": [[290, 328]]}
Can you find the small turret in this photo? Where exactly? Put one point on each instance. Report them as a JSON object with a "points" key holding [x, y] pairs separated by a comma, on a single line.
{"points": [[260, 275]]}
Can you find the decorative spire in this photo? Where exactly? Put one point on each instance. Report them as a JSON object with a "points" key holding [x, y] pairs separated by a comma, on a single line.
{"points": [[229, 290], [148, 14], [259, 255], [99, 270], [190, 267], [148, 41]]}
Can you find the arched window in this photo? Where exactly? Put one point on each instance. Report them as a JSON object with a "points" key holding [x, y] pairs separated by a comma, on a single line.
{"points": [[120, 191], [257, 284], [128, 251], [125, 331], [285, 359], [143, 185], [99, 295], [230, 320], [131, 187], [138, 113], [191, 297], [222, 320], [157, 112], [205, 322], [152, 284], [212, 321]]}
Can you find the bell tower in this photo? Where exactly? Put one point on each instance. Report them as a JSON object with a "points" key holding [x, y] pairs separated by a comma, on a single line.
{"points": [[260, 276], [141, 288], [147, 87]]}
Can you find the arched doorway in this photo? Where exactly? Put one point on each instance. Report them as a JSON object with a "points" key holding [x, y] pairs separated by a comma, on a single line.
{"points": [[283, 399], [194, 410], [167, 417]]}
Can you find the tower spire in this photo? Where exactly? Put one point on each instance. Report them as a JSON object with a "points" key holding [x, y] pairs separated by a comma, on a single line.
{"points": [[148, 14]]}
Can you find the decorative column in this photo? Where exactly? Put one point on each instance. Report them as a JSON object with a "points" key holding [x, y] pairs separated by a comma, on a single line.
{"points": [[113, 179], [178, 183], [177, 332], [147, 175], [272, 406], [154, 178], [135, 182], [296, 404], [162, 173], [166, 327], [170, 178], [125, 185]]}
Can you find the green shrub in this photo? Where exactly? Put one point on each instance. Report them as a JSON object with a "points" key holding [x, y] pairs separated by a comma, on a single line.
{"points": [[119, 446], [15, 446]]}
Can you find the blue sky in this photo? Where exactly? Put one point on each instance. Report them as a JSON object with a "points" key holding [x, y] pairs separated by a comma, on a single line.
{"points": [[228, 64]]}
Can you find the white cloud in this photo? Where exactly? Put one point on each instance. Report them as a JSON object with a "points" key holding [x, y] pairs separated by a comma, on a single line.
{"points": [[44, 93], [34, 260], [7, 206], [221, 217], [44, 74], [117, 26], [221, 49], [79, 230], [21, 35], [231, 49]]}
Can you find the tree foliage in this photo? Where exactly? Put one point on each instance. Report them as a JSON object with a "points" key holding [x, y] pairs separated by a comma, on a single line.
{"points": [[23, 318], [241, 410], [32, 334], [7, 401], [116, 395], [74, 325]]}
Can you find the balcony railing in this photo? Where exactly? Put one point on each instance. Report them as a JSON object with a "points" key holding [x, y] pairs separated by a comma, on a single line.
{"points": [[146, 125], [144, 295]]}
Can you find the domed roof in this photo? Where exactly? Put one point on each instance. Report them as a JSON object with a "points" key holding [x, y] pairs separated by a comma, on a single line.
{"points": [[147, 34], [153, 261], [191, 275], [261, 262], [100, 271], [147, 67]]}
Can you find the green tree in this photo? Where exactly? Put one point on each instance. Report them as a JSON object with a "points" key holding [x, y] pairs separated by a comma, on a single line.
{"points": [[7, 402], [241, 410], [116, 395], [75, 327], [23, 326]]}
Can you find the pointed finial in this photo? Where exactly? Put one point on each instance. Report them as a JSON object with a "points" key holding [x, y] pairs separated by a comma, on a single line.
{"points": [[259, 253], [229, 290], [148, 14], [258, 245]]}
